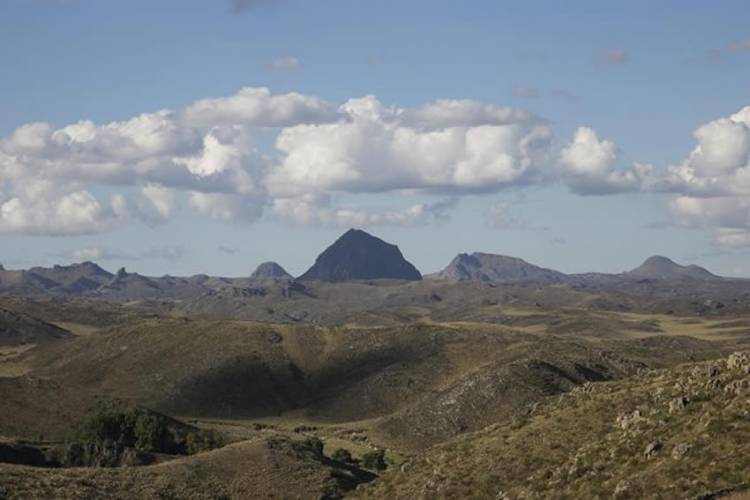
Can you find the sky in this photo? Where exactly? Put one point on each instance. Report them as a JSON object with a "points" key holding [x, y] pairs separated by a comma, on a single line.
{"points": [[196, 136]]}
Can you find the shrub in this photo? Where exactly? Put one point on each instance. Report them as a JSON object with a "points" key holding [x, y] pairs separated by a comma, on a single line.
{"points": [[374, 460], [315, 444], [134, 428], [204, 440], [342, 455]]}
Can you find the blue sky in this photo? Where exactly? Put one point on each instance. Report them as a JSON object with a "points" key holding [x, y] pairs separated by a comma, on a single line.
{"points": [[642, 76]]}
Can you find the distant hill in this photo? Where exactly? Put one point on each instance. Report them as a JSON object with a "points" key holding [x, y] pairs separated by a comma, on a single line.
{"points": [[496, 269], [357, 255], [18, 329], [659, 267], [270, 271]]}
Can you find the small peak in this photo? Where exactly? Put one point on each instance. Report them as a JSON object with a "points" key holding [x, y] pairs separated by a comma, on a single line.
{"points": [[659, 259], [121, 273], [270, 270]]}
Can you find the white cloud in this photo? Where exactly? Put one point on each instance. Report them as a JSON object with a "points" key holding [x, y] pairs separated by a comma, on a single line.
{"points": [[161, 202], [450, 146], [587, 155], [51, 179], [40, 207], [258, 107], [83, 254], [229, 207], [588, 166], [288, 63], [318, 211]]}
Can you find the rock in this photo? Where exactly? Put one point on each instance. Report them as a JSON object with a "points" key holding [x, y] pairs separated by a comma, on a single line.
{"points": [[737, 387], [652, 449], [681, 450], [714, 370], [739, 361], [678, 404], [628, 420], [623, 488]]}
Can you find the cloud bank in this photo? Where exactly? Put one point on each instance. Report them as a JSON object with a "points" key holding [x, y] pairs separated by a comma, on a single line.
{"points": [[207, 159]]}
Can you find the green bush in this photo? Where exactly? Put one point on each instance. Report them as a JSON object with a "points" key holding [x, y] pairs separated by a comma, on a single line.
{"points": [[374, 460], [342, 455], [135, 428], [204, 440]]}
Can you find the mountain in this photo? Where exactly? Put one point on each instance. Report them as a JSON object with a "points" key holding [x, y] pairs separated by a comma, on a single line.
{"points": [[496, 269], [357, 255], [75, 276], [270, 271], [659, 267]]}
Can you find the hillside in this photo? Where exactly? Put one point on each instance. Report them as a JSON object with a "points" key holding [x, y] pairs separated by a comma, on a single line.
{"points": [[19, 329], [278, 467], [675, 433]]}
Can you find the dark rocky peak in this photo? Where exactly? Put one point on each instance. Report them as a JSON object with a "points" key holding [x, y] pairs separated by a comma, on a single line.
{"points": [[357, 255]]}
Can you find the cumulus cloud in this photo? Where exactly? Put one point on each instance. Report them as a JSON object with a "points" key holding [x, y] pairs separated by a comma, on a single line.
{"points": [[40, 207], [588, 166], [206, 158], [229, 207], [446, 146], [714, 182], [258, 107]]}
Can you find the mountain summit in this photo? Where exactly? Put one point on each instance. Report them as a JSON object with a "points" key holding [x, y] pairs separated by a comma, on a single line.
{"points": [[269, 271], [357, 255], [496, 268], [660, 267]]}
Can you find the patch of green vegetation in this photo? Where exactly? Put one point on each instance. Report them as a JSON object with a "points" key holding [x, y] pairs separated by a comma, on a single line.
{"points": [[204, 440], [374, 460], [342, 455]]}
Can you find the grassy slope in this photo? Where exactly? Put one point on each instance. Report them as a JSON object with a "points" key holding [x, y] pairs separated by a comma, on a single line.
{"points": [[269, 468], [577, 447]]}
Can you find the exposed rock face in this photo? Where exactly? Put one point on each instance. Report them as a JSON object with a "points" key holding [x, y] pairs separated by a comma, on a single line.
{"points": [[739, 361], [358, 255], [678, 404], [270, 271], [498, 269], [659, 267]]}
